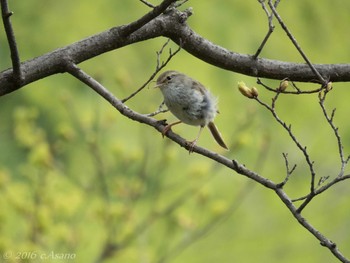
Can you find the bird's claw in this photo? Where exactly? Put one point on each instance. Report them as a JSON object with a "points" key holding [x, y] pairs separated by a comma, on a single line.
{"points": [[190, 145], [165, 130]]}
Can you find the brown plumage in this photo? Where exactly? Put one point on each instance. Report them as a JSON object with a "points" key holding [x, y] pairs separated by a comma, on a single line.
{"points": [[190, 102]]}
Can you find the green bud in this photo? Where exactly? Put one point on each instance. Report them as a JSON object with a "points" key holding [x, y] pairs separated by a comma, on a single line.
{"points": [[329, 86], [255, 92], [247, 92], [283, 85]]}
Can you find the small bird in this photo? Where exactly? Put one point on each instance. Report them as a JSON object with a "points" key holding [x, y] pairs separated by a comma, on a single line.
{"points": [[190, 102]]}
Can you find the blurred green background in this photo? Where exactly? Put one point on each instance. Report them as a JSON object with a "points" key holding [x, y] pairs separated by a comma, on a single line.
{"points": [[80, 181]]}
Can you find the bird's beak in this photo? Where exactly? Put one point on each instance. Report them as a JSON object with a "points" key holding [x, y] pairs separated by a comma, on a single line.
{"points": [[156, 86]]}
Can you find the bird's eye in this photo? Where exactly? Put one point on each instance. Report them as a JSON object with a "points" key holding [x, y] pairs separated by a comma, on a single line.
{"points": [[168, 77]]}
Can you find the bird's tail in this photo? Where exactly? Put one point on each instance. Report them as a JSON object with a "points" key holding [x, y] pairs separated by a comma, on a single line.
{"points": [[216, 134]]}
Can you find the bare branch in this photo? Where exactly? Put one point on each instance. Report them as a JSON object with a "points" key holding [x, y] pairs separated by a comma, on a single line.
{"points": [[156, 11], [270, 25], [297, 91], [288, 170], [322, 180], [159, 67], [344, 161], [302, 221], [323, 91], [169, 22], [180, 3], [302, 148], [325, 187], [170, 25], [231, 164], [124, 110], [292, 38], [160, 110], [147, 3], [16, 63]]}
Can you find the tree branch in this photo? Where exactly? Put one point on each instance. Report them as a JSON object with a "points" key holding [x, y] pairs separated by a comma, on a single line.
{"points": [[156, 11], [147, 3], [295, 43], [231, 164], [270, 25], [323, 240], [289, 170], [169, 22], [172, 25], [344, 161], [159, 67], [302, 148], [159, 125], [16, 63]]}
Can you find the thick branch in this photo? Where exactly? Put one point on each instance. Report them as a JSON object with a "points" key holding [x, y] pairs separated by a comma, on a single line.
{"points": [[171, 24]]}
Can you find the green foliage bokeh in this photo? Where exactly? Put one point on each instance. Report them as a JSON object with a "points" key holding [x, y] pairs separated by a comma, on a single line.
{"points": [[78, 179]]}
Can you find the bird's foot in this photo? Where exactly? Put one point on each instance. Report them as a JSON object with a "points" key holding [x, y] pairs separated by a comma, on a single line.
{"points": [[190, 145], [166, 129]]}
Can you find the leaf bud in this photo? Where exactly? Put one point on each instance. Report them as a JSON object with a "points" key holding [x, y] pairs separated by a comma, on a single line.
{"points": [[255, 92], [329, 86], [247, 92], [283, 85]]}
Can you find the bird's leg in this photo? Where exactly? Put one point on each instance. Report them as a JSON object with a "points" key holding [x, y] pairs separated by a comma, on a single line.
{"points": [[168, 127], [191, 144]]}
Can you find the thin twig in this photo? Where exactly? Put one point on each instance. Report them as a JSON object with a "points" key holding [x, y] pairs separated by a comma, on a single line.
{"points": [[302, 148], [344, 161], [270, 25], [288, 170], [180, 3], [295, 43], [157, 10], [302, 221], [324, 188], [297, 91], [159, 67], [322, 180], [148, 3], [160, 110], [16, 63]]}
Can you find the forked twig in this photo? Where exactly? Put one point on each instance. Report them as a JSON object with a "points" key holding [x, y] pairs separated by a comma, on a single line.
{"points": [[344, 161], [159, 66], [302, 148], [270, 24], [288, 170], [180, 3], [160, 110], [297, 91]]}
